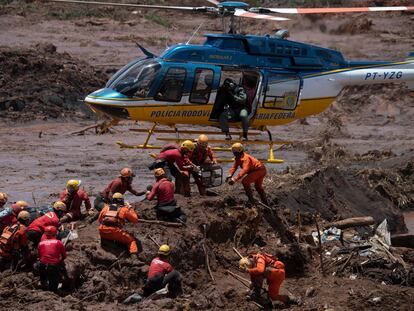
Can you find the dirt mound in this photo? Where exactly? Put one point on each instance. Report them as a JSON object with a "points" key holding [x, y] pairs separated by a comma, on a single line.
{"points": [[376, 104], [40, 83]]}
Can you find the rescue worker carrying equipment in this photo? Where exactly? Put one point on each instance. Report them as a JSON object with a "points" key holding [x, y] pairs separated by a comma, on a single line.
{"points": [[52, 254], [179, 164], [161, 273], [73, 197], [163, 189], [3, 199], [121, 184], [13, 242], [262, 266], [8, 216], [202, 156], [37, 227], [250, 166], [112, 219]]}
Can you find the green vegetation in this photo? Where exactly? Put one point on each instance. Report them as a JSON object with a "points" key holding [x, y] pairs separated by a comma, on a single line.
{"points": [[157, 19]]}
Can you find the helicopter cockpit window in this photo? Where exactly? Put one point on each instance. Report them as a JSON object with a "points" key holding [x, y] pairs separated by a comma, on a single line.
{"points": [[203, 82], [173, 85], [138, 80], [282, 92]]}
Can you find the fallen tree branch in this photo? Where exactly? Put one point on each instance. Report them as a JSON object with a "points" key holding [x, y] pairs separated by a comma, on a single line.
{"points": [[153, 240], [319, 246], [206, 254], [90, 296], [241, 279], [237, 252], [351, 222], [342, 268], [117, 260], [159, 222]]}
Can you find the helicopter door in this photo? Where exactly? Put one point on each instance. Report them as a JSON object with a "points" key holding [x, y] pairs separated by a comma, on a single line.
{"points": [[249, 80], [282, 91]]}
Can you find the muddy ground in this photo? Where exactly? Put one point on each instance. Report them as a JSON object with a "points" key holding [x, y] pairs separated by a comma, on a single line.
{"points": [[356, 159]]}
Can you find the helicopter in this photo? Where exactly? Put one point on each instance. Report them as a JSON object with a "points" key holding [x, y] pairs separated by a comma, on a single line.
{"points": [[288, 80]]}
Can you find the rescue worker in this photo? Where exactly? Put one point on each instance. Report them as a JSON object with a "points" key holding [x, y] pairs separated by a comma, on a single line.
{"points": [[252, 171], [38, 226], [112, 219], [52, 254], [13, 241], [163, 189], [121, 184], [231, 98], [3, 199], [262, 266], [161, 273], [73, 197], [8, 216], [202, 156], [180, 165]]}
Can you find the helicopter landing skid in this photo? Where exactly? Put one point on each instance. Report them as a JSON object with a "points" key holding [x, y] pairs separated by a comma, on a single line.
{"points": [[178, 140]]}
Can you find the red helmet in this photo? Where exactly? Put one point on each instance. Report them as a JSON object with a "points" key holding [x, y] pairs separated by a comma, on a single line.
{"points": [[127, 172], [50, 231]]}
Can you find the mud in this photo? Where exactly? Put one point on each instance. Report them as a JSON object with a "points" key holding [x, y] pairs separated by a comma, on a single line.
{"points": [[355, 159]]}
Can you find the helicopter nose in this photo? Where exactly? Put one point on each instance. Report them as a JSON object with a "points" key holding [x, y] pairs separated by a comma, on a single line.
{"points": [[108, 101]]}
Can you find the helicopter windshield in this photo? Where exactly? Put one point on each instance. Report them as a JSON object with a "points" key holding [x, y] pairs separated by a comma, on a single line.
{"points": [[138, 79]]}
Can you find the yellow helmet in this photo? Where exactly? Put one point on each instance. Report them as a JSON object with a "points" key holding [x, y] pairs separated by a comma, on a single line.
{"points": [[203, 139], [117, 196], [245, 263], [158, 172], [237, 147], [59, 206], [73, 184], [164, 250], [23, 215], [22, 204], [188, 144], [3, 197]]}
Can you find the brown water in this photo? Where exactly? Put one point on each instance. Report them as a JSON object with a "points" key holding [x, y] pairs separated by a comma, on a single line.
{"points": [[409, 221]]}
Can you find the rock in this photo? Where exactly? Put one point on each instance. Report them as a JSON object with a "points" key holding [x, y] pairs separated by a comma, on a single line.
{"points": [[310, 292]]}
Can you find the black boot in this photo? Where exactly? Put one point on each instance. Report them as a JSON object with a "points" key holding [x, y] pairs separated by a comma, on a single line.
{"points": [[228, 136]]}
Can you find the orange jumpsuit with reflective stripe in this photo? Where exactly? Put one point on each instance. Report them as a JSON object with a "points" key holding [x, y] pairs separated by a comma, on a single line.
{"points": [[115, 232], [255, 171], [271, 270]]}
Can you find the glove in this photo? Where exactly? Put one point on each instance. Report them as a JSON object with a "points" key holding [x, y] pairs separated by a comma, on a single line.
{"points": [[196, 169], [232, 181]]}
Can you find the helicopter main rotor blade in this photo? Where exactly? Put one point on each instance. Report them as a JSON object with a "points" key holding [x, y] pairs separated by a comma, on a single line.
{"points": [[143, 6], [243, 13], [332, 10]]}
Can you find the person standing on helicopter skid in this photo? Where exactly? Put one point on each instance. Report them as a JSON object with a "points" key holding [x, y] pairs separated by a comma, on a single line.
{"points": [[179, 164], [232, 98], [202, 156]]}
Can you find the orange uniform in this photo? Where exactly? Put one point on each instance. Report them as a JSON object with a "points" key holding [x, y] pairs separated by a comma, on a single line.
{"points": [[13, 239], [112, 219], [255, 171], [269, 268]]}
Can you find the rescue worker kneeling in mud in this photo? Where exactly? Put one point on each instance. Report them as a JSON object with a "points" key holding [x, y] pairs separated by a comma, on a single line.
{"points": [[202, 156], [73, 197], [262, 266], [14, 244], [252, 171], [52, 254], [178, 162], [37, 228], [8, 216], [161, 273], [163, 189], [121, 184], [112, 219]]}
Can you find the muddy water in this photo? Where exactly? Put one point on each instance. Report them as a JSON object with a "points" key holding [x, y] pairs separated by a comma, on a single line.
{"points": [[409, 222]]}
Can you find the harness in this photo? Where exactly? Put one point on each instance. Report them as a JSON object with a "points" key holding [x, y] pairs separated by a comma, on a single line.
{"points": [[7, 237], [111, 217]]}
